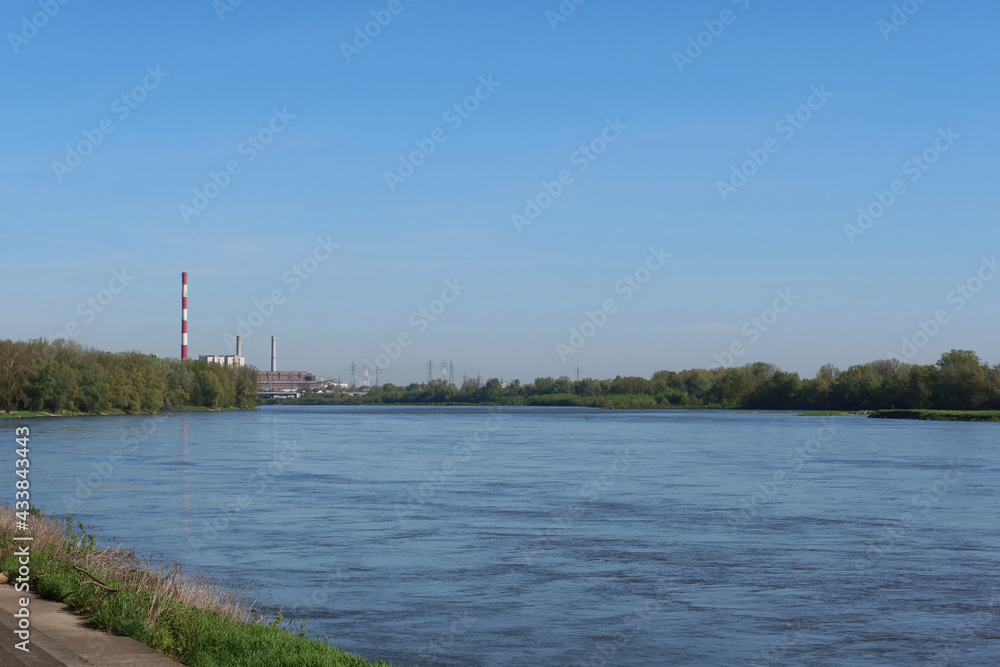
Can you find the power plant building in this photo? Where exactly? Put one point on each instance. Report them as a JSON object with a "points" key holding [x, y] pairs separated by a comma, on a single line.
{"points": [[288, 382], [269, 383], [285, 383], [224, 359], [227, 359]]}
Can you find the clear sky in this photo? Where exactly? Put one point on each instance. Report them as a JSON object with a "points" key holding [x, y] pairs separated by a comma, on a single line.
{"points": [[95, 183]]}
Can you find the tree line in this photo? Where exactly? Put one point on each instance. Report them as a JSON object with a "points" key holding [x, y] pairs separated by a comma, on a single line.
{"points": [[62, 375], [958, 381]]}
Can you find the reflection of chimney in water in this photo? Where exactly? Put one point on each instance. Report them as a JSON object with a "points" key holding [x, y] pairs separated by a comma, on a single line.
{"points": [[274, 353]]}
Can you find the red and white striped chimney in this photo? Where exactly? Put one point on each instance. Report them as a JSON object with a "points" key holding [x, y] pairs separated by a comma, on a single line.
{"points": [[184, 315]]}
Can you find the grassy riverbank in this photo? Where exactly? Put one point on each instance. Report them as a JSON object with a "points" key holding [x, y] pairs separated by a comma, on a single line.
{"points": [[27, 414], [611, 402], [940, 415], [187, 618]]}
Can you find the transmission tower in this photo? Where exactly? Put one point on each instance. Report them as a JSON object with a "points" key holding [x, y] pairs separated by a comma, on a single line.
{"points": [[430, 371], [368, 381], [354, 380], [451, 373], [376, 376], [444, 372], [577, 373]]}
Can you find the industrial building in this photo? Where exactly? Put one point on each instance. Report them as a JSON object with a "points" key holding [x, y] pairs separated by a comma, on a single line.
{"points": [[224, 359], [285, 382], [227, 359], [275, 383]]}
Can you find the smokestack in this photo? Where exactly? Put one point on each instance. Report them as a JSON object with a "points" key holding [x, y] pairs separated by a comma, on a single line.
{"points": [[239, 346], [184, 315], [274, 353]]}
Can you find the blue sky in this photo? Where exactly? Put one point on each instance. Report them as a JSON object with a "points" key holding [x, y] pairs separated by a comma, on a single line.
{"points": [[343, 126]]}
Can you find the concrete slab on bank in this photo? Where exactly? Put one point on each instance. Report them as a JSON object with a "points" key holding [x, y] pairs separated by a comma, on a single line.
{"points": [[59, 638]]}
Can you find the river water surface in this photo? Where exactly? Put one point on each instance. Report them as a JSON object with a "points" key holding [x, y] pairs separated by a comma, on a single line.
{"points": [[467, 536]]}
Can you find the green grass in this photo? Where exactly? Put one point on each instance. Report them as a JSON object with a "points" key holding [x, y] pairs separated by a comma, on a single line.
{"points": [[189, 619], [27, 414], [939, 415]]}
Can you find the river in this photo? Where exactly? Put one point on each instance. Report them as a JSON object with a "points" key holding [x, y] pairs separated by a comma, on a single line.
{"points": [[513, 536]]}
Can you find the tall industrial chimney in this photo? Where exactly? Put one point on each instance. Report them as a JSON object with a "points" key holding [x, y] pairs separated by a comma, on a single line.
{"points": [[184, 315], [239, 346], [274, 353]]}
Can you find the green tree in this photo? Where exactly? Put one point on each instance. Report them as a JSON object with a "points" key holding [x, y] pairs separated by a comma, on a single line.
{"points": [[631, 385], [544, 385], [731, 387], [587, 387], [210, 390], [962, 381], [777, 392], [246, 387], [15, 372], [857, 388]]}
